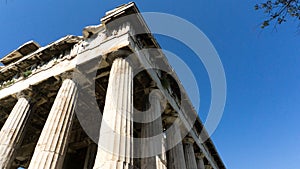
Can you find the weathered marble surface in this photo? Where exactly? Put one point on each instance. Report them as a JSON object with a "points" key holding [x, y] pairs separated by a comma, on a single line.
{"points": [[115, 140], [12, 131], [52, 145]]}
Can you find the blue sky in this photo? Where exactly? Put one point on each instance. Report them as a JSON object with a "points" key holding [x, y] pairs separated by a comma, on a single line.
{"points": [[260, 124]]}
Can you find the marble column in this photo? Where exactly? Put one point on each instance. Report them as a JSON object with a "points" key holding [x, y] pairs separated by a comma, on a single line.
{"points": [[208, 167], [12, 132], [199, 160], [51, 148], [115, 140], [189, 153], [176, 154], [152, 134], [90, 156]]}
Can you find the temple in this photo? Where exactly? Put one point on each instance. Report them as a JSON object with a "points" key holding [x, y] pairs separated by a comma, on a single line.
{"points": [[106, 100]]}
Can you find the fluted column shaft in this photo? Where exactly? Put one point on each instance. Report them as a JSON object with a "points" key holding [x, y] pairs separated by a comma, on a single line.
{"points": [[52, 144], [12, 132], [176, 154], [200, 162], [90, 156], [189, 153], [115, 140], [153, 128]]}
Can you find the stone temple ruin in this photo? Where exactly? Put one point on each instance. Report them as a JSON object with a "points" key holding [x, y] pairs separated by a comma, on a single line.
{"points": [[52, 99]]}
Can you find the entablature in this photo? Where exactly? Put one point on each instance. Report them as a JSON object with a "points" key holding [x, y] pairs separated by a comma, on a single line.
{"points": [[26, 65]]}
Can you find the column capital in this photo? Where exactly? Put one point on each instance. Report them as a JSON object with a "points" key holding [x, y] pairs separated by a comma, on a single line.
{"points": [[156, 96], [24, 94], [78, 77], [120, 53], [208, 167], [66, 75], [170, 121], [199, 155], [188, 140]]}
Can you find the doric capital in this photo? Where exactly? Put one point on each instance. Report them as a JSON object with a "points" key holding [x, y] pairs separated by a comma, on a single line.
{"points": [[208, 167], [119, 53], [188, 140], [170, 120], [26, 94], [156, 95], [199, 155], [66, 75]]}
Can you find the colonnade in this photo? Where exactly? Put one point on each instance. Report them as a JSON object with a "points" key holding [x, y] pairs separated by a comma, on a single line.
{"points": [[116, 130]]}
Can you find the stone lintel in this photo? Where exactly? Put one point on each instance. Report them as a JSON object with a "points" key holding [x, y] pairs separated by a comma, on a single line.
{"points": [[188, 140]]}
